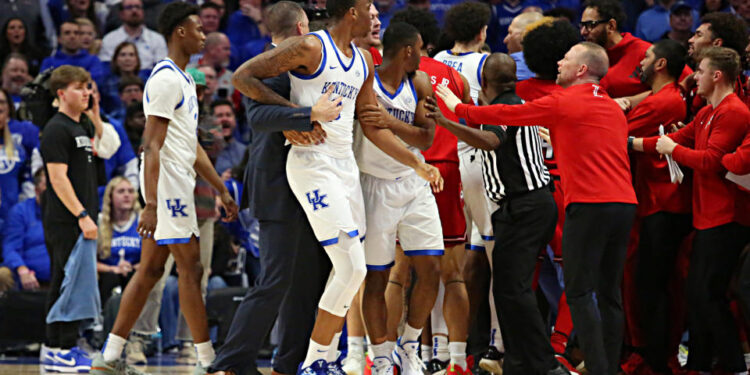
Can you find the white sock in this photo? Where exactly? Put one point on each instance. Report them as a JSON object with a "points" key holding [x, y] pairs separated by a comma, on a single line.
{"points": [[458, 353], [426, 353], [112, 348], [380, 350], [391, 345], [355, 344], [410, 333], [315, 352], [440, 348], [333, 349], [206, 353]]}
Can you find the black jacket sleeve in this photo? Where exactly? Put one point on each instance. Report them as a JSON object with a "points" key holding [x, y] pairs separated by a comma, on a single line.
{"points": [[275, 118]]}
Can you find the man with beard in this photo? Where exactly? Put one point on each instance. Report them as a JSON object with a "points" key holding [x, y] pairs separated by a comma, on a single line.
{"points": [[664, 207], [151, 46], [15, 76], [223, 114]]}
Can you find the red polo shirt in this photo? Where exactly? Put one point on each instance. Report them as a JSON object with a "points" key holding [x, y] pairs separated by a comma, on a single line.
{"points": [[444, 146], [588, 131], [713, 133], [653, 187], [532, 89]]}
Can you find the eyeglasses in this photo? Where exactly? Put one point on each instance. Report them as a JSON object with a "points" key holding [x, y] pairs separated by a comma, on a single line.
{"points": [[590, 25]]}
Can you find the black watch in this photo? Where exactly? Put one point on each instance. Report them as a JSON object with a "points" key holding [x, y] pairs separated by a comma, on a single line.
{"points": [[83, 214], [630, 142]]}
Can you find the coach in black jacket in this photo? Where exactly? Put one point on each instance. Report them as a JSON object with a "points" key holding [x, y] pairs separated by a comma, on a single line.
{"points": [[294, 267]]}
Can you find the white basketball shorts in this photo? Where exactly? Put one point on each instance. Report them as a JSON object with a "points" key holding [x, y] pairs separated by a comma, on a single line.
{"points": [[478, 208]]}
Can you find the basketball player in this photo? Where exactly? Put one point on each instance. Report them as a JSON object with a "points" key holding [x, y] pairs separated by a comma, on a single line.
{"points": [[466, 23], [171, 158], [324, 177], [399, 204]]}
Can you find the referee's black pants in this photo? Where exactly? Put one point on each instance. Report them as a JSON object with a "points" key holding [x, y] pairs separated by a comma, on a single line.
{"points": [[661, 236], [523, 226], [595, 238], [60, 239], [713, 332]]}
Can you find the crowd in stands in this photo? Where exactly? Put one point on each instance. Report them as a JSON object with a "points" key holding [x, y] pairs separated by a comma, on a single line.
{"points": [[116, 41]]}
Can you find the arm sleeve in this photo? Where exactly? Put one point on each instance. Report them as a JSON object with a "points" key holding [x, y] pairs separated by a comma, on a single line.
{"points": [[499, 131], [723, 139], [13, 238], [107, 145], [684, 137], [274, 118], [538, 112], [162, 97], [55, 145], [738, 162]]}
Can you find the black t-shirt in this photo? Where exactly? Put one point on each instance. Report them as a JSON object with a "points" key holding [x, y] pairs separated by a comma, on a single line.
{"points": [[69, 142]]}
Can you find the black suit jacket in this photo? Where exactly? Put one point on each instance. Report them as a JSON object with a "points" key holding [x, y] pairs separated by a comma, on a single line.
{"points": [[268, 194]]}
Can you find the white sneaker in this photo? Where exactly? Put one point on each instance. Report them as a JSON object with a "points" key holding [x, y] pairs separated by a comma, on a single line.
{"points": [[682, 355], [382, 366], [47, 358], [406, 357], [187, 354], [354, 363], [134, 351]]}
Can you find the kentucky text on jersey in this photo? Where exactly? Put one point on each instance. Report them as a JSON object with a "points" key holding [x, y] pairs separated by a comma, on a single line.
{"points": [[342, 89], [401, 115], [126, 241]]}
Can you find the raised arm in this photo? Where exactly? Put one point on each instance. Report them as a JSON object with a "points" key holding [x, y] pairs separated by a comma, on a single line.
{"points": [[300, 54], [482, 139]]}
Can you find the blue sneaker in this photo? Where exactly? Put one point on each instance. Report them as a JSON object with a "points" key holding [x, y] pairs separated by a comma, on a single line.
{"points": [[47, 358], [334, 368], [72, 361], [319, 367]]}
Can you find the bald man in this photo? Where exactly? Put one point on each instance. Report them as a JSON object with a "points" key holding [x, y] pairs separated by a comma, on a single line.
{"points": [[516, 31], [586, 127], [512, 156], [216, 54]]}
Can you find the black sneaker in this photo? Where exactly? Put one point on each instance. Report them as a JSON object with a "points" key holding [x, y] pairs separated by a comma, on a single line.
{"points": [[437, 367], [492, 361]]}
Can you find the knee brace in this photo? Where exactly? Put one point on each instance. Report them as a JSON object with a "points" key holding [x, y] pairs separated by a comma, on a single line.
{"points": [[349, 270]]}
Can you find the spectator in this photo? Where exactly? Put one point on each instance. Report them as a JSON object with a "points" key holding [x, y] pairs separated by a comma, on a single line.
{"points": [[503, 14], [14, 38], [125, 62], [24, 250], [67, 10], [211, 83], [18, 142], [516, 31], [88, 36], [244, 23], [69, 52], [151, 45], [129, 90], [135, 123], [680, 23], [30, 11], [386, 10], [15, 76], [216, 54], [654, 22], [710, 6], [223, 113], [119, 244], [210, 16]]}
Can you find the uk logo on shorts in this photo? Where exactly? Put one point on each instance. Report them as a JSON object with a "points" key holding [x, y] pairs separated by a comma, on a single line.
{"points": [[316, 199], [176, 208]]}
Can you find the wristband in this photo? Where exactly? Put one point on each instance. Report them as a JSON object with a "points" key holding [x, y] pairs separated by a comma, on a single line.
{"points": [[630, 142]]}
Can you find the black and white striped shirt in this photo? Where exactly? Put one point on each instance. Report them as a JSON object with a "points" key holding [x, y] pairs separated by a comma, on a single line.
{"points": [[517, 165]]}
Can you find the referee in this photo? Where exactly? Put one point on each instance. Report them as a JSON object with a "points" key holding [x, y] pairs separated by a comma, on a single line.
{"points": [[516, 178]]}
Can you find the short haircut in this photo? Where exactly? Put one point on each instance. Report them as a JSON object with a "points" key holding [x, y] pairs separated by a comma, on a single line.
{"points": [[675, 54], [595, 58], [121, 6], [113, 64], [338, 8], [423, 20], [129, 80], [499, 70], [729, 28], [220, 102], [210, 5], [723, 59], [65, 75], [83, 21], [546, 42], [214, 38], [173, 15], [66, 22], [15, 55], [282, 18], [464, 21], [608, 10], [397, 36]]}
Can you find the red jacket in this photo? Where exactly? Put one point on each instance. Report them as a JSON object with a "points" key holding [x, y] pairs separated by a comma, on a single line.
{"points": [[653, 187], [444, 145], [532, 89], [589, 133], [738, 162], [713, 133]]}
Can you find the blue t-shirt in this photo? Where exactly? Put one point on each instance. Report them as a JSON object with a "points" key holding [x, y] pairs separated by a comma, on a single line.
{"points": [[127, 240], [16, 169]]}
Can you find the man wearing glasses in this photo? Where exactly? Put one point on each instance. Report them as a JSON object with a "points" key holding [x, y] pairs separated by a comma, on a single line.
{"points": [[151, 45]]}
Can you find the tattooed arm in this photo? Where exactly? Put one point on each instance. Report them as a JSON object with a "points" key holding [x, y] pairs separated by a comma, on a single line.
{"points": [[300, 54]]}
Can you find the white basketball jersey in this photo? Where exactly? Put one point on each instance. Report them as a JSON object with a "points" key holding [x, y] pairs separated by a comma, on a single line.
{"points": [[469, 64], [170, 93], [402, 105], [347, 76]]}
